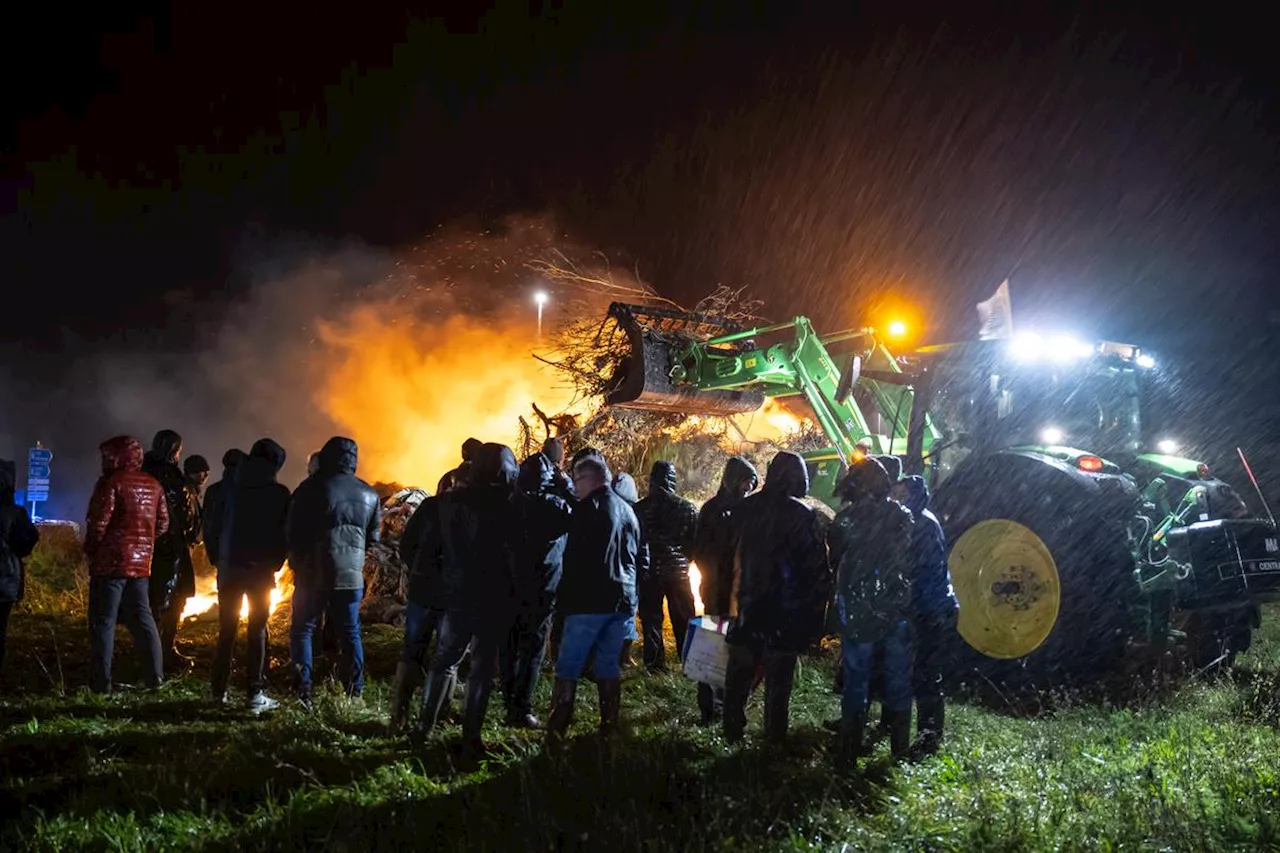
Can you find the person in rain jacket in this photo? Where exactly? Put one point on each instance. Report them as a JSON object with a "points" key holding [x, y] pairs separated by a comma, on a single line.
{"points": [[456, 478], [173, 577], [870, 542], [625, 485], [933, 616], [252, 547], [333, 517], [420, 548], [213, 501], [478, 528], [127, 514], [543, 507], [713, 552], [18, 538], [597, 594], [670, 525], [780, 587]]}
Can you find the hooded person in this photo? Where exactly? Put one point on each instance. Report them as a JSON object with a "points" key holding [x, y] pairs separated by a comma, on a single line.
{"points": [[252, 546], [213, 504], [553, 450], [479, 532], [456, 478], [597, 594], [543, 506], [933, 617], [780, 586], [669, 524], [127, 514], [713, 551], [625, 485], [173, 578], [18, 538], [870, 543], [333, 518]]}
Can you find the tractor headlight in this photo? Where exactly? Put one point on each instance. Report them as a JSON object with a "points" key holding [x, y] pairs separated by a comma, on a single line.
{"points": [[1052, 436], [1167, 446], [1145, 361]]}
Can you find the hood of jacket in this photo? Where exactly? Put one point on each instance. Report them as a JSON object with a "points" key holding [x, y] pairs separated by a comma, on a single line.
{"points": [[537, 473], [494, 465], [662, 478], [866, 480], [787, 475], [122, 453], [8, 481], [470, 448], [166, 446], [736, 471], [625, 485], [338, 456], [269, 451], [917, 494]]}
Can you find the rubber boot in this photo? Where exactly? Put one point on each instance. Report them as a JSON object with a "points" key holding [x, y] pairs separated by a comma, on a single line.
{"points": [[402, 686], [562, 696], [899, 734], [849, 745], [435, 692], [610, 705], [931, 716], [625, 658]]}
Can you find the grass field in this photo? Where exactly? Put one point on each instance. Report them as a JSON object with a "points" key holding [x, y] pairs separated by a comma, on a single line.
{"points": [[1186, 766]]}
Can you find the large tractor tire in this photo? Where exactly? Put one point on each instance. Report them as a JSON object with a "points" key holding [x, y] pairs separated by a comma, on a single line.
{"points": [[1040, 567]]}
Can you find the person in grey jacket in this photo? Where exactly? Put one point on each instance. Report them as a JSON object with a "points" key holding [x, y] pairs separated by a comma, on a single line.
{"points": [[333, 517]]}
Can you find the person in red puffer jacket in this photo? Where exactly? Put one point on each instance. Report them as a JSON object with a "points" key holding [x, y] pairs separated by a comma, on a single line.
{"points": [[126, 514]]}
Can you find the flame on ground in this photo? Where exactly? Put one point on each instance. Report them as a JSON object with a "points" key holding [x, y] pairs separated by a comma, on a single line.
{"points": [[205, 601], [695, 583]]}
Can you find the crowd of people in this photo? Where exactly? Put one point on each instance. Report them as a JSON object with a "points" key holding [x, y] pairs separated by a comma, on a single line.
{"points": [[508, 560]]}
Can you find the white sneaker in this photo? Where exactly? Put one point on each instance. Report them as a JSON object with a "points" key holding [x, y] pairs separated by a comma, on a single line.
{"points": [[261, 702]]}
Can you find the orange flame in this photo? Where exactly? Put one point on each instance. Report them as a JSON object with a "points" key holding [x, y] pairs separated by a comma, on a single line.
{"points": [[411, 393], [203, 602]]}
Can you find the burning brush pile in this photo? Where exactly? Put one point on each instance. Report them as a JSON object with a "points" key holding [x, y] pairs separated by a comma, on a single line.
{"points": [[446, 348]]}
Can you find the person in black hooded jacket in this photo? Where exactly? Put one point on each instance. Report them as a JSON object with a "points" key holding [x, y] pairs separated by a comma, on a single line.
{"points": [[333, 518], [457, 478], [543, 506], [251, 547], [18, 538], [713, 552], [173, 577], [479, 531], [780, 587], [670, 526]]}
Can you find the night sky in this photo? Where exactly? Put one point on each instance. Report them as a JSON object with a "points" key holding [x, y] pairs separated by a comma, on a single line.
{"points": [[1120, 168]]}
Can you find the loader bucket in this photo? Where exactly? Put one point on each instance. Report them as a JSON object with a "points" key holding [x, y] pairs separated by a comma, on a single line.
{"points": [[643, 379]]}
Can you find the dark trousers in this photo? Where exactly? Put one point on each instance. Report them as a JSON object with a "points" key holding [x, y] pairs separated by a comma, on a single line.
{"points": [[779, 675], [126, 600], [710, 702], [420, 626], [675, 590], [520, 658], [343, 609], [459, 630], [231, 590], [5, 608]]}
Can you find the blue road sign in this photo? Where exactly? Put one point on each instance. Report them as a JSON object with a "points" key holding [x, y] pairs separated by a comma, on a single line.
{"points": [[38, 472], [39, 456]]}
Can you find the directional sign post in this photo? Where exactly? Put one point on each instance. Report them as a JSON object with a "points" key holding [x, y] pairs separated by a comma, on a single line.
{"points": [[38, 459]]}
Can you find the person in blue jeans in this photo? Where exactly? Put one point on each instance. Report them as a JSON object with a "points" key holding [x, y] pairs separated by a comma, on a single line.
{"points": [[597, 594], [870, 546], [333, 517]]}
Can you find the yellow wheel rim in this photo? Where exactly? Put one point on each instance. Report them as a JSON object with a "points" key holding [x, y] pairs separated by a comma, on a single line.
{"points": [[1007, 584]]}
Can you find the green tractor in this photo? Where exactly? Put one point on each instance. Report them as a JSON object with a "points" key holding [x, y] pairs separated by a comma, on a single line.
{"points": [[1068, 540]]}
